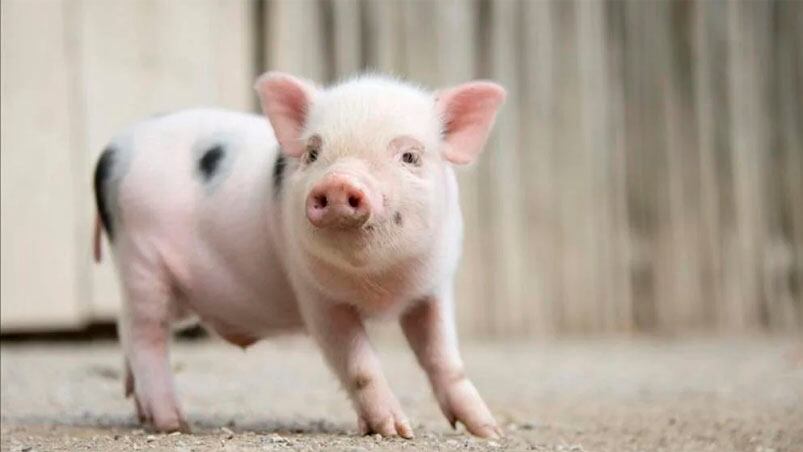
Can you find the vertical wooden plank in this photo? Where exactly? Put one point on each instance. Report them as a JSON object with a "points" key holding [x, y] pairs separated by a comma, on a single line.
{"points": [[645, 143], [666, 253], [41, 264], [748, 24], [789, 86], [295, 38], [593, 154], [598, 100], [156, 56], [575, 253], [420, 61], [684, 305], [382, 28], [711, 111], [621, 235], [232, 55], [782, 310], [347, 38], [536, 143]]}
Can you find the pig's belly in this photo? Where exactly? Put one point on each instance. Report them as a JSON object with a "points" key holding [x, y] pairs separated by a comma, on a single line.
{"points": [[242, 305]]}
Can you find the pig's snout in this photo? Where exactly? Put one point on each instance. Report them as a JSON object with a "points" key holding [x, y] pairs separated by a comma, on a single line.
{"points": [[338, 201]]}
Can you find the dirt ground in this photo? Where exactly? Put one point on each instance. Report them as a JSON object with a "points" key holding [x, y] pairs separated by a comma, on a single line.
{"points": [[580, 395]]}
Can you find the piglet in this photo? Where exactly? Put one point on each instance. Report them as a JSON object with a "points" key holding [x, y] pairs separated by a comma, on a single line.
{"points": [[341, 207]]}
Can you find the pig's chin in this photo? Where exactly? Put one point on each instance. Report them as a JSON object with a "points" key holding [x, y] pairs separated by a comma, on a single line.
{"points": [[364, 249]]}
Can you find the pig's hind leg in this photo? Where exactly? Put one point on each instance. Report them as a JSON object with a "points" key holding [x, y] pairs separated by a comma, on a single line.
{"points": [[144, 328]]}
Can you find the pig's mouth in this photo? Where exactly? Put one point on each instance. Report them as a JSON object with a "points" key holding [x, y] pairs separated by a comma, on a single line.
{"points": [[350, 235], [345, 248], [356, 245]]}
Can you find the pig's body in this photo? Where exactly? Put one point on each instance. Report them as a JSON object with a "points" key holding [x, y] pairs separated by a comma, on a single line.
{"points": [[205, 211], [217, 236], [208, 235]]}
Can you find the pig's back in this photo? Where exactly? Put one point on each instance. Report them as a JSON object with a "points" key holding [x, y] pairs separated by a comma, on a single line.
{"points": [[179, 166], [193, 190]]}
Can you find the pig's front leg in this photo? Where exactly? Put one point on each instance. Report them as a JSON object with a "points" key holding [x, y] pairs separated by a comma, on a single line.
{"points": [[341, 335], [430, 330]]}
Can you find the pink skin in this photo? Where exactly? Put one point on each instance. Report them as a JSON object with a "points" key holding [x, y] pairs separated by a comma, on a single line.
{"points": [[368, 227], [468, 111], [148, 375], [339, 330], [429, 329], [338, 201]]}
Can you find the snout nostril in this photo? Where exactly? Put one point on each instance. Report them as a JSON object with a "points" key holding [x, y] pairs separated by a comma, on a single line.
{"points": [[354, 201], [321, 202]]}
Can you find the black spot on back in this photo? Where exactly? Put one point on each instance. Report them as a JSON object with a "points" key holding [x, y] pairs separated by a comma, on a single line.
{"points": [[210, 161], [102, 175], [278, 172], [397, 218]]}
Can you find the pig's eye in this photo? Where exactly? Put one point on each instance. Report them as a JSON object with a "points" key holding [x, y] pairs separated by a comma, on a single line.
{"points": [[312, 155], [411, 158]]}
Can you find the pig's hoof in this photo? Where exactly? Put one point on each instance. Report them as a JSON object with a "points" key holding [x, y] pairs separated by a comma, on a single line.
{"points": [[169, 427], [462, 403], [388, 427], [490, 431], [165, 421]]}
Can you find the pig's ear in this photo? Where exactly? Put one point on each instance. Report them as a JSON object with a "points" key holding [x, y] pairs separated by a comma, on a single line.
{"points": [[286, 101], [468, 112]]}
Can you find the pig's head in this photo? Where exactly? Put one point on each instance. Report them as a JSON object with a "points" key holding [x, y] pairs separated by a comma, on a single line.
{"points": [[367, 178]]}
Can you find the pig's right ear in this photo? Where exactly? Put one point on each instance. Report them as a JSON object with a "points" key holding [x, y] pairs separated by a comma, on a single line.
{"points": [[286, 101]]}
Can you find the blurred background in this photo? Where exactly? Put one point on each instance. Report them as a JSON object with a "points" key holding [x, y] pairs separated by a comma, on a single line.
{"points": [[645, 175]]}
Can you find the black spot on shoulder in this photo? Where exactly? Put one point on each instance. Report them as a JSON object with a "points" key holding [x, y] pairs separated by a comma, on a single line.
{"points": [[278, 172], [210, 161], [102, 174]]}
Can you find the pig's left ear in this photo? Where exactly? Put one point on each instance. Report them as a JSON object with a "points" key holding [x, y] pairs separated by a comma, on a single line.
{"points": [[468, 112], [286, 101]]}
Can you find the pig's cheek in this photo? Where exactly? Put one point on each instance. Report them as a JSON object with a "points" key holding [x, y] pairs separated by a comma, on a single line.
{"points": [[297, 201], [296, 226]]}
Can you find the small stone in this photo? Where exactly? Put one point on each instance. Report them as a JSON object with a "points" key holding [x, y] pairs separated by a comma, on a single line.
{"points": [[493, 444], [227, 431], [150, 438], [277, 438], [527, 425], [452, 443], [377, 437], [176, 433]]}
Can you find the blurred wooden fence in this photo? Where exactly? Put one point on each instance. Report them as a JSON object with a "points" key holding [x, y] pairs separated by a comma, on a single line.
{"points": [[646, 173]]}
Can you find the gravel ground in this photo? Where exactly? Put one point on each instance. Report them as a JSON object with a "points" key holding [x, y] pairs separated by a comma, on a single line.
{"points": [[581, 395]]}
